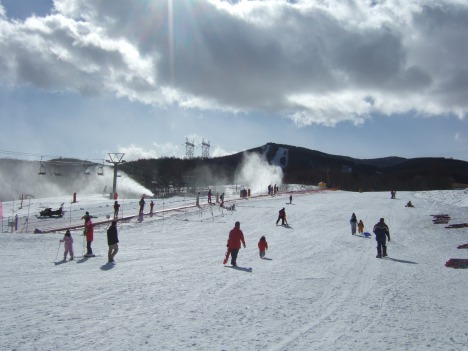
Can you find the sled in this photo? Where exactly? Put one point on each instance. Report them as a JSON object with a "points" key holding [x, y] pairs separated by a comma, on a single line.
{"points": [[228, 252], [457, 263]]}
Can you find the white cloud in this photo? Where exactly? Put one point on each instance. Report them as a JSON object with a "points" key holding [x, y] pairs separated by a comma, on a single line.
{"points": [[317, 62]]}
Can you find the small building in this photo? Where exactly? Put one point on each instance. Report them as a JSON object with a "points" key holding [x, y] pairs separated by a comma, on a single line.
{"points": [[322, 185]]}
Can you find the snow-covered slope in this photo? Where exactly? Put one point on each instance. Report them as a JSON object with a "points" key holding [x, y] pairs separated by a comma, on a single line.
{"points": [[320, 288]]}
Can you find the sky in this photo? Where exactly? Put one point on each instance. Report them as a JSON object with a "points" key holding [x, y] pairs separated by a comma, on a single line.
{"points": [[318, 288], [364, 79]]}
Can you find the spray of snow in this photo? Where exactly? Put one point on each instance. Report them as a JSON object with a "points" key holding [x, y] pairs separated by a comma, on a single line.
{"points": [[21, 177], [256, 174]]}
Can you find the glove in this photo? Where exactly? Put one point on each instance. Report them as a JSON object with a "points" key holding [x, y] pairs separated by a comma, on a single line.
{"points": [[244, 246], [227, 245]]}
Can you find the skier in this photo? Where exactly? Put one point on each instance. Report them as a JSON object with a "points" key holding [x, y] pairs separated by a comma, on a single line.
{"points": [[290, 199], [142, 204], [68, 240], [236, 237], [262, 246], [381, 232], [112, 241], [89, 229], [353, 222], [360, 226], [209, 196], [116, 209], [281, 216], [151, 206]]}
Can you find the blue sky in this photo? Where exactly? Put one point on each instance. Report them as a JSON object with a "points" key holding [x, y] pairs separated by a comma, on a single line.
{"points": [[364, 79]]}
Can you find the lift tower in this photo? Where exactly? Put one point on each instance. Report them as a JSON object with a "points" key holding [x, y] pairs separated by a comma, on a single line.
{"points": [[115, 159]]}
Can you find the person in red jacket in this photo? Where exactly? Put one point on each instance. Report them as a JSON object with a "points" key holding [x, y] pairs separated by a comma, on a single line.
{"points": [[236, 237], [262, 246], [89, 227]]}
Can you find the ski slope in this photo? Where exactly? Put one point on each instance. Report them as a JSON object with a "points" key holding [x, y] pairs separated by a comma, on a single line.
{"points": [[319, 288]]}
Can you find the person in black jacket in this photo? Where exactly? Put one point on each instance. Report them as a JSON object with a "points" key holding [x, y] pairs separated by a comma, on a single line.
{"points": [[381, 232], [112, 241], [353, 222]]}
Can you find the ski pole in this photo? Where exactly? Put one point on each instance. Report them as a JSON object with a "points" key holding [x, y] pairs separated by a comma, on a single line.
{"points": [[58, 250]]}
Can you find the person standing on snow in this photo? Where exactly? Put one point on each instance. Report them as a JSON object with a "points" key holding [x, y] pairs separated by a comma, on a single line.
{"points": [[360, 226], [222, 200], [68, 240], [116, 209], [89, 229], [381, 232], [353, 222], [142, 204], [209, 196], [236, 237], [112, 241], [262, 246]]}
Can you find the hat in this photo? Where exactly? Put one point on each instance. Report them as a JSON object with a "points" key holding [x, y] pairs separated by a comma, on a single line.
{"points": [[237, 224], [381, 220]]}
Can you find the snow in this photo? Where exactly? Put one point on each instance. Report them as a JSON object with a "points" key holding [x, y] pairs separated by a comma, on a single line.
{"points": [[320, 287]]}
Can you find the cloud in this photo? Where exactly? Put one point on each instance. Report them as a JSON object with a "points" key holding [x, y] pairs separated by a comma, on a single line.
{"points": [[314, 62], [134, 152]]}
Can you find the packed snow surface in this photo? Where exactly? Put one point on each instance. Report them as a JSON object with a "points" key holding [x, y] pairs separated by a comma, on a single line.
{"points": [[319, 287]]}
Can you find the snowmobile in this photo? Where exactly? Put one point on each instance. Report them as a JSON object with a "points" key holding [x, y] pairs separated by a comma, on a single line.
{"points": [[48, 212]]}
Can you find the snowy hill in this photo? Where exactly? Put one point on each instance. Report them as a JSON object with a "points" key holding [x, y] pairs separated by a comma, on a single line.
{"points": [[319, 288]]}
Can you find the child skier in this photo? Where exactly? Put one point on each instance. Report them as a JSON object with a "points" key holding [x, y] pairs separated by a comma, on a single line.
{"points": [[68, 240], [262, 246], [360, 227]]}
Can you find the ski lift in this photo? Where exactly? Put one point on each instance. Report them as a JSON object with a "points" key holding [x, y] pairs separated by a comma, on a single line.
{"points": [[58, 171], [100, 170], [42, 169]]}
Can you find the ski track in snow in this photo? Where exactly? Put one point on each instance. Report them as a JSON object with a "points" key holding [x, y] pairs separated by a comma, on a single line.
{"points": [[320, 288]]}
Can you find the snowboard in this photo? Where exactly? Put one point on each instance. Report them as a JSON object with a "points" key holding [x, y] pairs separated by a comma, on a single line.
{"points": [[228, 252]]}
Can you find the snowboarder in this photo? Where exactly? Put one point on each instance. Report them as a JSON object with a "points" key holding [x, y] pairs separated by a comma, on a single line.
{"points": [[89, 229], [68, 243], [381, 232], [142, 204], [353, 222], [281, 216], [112, 241], [262, 246], [236, 237], [151, 206], [409, 204], [116, 209], [209, 196], [360, 226], [290, 199]]}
